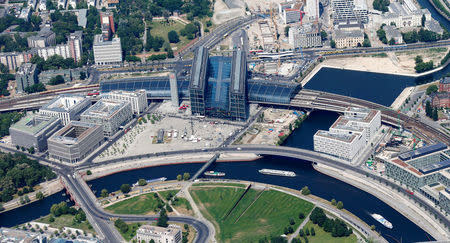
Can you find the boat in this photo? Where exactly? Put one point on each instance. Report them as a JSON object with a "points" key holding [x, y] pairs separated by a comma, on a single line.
{"points": [[382, 220], [151, 181], [214, 173], [277, 172]]}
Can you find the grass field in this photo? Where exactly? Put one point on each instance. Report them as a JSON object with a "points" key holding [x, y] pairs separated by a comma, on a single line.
{"points": [[143, 204], [66, 221], [325, 237], [267, 216], [164, 194], [161, 28], [132, 228]]}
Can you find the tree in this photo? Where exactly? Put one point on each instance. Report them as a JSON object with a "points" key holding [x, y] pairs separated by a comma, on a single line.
{"points": [[340, 205], [428, 109], [58, 79], [142, 182], [125, 188], [333, 44], [418, 59], [291, 221], [301, 232], [39, 195], [313, 232], [173, 36], [432, 89], [163, 219], [121, 225], [31, 150], [435, 114], [104, 193], [286, 30], [423, 20], [391, 42], [89, 172], [179, 177], [301, 215], [82, 75], [186, 176], [323, 35], [306, 231], [39, 87], [381, 5], [306, 191], [382, 35], [333, 202]]}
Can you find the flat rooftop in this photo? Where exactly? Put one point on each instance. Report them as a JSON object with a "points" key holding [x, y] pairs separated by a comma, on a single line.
{"points": [[347, 138], [74, 132], [343, 124], [63, 103], [33, 123], [104, 108]]}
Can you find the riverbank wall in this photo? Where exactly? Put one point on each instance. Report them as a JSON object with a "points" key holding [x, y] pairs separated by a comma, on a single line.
{"points": [[389, 196]]}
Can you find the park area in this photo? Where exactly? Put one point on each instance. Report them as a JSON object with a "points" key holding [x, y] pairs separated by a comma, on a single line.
{"points": [[162, 27], [245, 216]]}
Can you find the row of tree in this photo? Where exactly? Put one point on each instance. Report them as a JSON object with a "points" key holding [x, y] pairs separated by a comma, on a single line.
{"points": [[18, 171], [431, 112], [422, 66], [337, 227]]}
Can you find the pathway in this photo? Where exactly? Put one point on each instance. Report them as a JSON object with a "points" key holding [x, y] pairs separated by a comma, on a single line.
{"points": [[295, 234]]}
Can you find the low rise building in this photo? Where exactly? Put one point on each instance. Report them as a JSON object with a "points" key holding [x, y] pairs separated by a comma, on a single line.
{"points": [[26, 76], [393, 33], [403, 16], [137, 99], [441, 100], [33, 131], [75, 141], [348, 38], [109, 114], [67, 107], [107, 52], [171, 234], [426, 171], [444, 84], [25, 14], [44, 38], [68, 74], [304, 36], [434, 26], [291, 16]]}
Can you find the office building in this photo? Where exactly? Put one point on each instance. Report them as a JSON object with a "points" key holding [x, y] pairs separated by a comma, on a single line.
{"points": [[283, 6], [444, 84], [44, 38], [349, 10], [171, 234], [393, 33], [33, 131], [26, 76], [107, 24], [403, 15], [349, 134], [304, 36], [109, 114], [312, 9], [107, 52], [75, 141], [9, 235], [74, 43], [66, 107], [291, 16], [348, 34], [424, 170], [197, 87], [137, 99]]}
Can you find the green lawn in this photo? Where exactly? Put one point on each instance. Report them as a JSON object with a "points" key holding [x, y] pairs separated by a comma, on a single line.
{"points": [[182, 202], [161, 28], [267, 216], [325, 237], [132, 228], [143, 204], [66, 221], [165, 193]]}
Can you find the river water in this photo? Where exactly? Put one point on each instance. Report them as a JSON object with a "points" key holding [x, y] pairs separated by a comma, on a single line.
{"points": [[379, 88]]}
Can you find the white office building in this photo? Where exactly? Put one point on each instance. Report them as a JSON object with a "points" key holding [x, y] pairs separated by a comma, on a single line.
{"points": [[138, 99], [349, 134], [403, 15], [110, 114], [312, 9], [66, 107], [107, 52], [304, 36], [171, 234]]}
